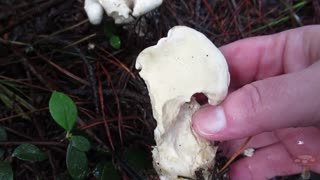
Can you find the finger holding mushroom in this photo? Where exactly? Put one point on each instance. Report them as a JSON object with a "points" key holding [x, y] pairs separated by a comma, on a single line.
{"points": [[179, 66]]}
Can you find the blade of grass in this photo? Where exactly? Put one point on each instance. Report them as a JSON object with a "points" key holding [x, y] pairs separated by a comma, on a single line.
{"points": [[271, 24], [16, 87], [9, 104], [280, 20], [17, 98], [295, 6]]}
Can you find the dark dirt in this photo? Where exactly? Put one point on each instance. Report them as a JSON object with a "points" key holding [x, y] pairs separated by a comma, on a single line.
{"points": [[44, 47]]}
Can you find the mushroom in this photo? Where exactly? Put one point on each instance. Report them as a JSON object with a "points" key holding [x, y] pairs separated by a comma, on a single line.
{"points": [[122, 11], [179, 66], [94, 11]]}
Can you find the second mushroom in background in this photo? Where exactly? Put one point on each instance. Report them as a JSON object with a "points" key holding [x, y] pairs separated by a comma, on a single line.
{"points": [[122, 11]]}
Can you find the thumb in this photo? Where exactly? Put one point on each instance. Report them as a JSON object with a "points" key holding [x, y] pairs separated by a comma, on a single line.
{"points": [[288, 100]]}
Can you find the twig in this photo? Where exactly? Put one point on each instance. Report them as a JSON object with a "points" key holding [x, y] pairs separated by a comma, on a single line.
{"points": [[240, 26], [53, 167], [106, 125], [69, 28], [24, 83], [99, 122], [17, 133], [116, 61], [117, 102], [63, 70], [80, 41], [34, 70], [236, 154], [108, 92], [92, 134], [22, 114]]}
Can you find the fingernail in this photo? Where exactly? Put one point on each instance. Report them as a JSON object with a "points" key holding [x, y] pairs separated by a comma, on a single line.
{"points": [[209, 120]]}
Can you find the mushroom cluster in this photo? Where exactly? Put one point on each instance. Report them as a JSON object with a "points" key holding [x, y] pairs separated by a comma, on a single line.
{"points": [[179, 66], [122, 11]]}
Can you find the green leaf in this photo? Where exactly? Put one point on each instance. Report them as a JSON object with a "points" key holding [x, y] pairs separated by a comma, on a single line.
{"points": [[63, 110], [115, 42], [81, 143], [77, 163], [3, 134], [29, 152], [106, 171], [137, 158], [6, 172]]}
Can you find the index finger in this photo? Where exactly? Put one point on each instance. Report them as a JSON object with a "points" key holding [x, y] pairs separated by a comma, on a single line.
{"points": [[266, 56]]}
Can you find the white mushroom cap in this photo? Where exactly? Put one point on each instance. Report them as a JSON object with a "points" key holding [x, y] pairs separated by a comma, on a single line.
{"points": [[94, 11], [184, 63], [142, 7], [180, 65], [119, 10]]}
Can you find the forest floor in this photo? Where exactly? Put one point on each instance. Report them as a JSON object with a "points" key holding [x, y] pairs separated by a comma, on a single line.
{"points": [[49, 45]]}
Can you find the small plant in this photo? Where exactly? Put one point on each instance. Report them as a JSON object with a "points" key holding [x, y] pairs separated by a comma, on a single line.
{"points": [[110, 33], [64, 111], [25, 152]]}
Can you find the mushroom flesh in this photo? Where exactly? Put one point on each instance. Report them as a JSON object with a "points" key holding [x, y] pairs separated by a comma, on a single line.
{"points": [[179, 66]]}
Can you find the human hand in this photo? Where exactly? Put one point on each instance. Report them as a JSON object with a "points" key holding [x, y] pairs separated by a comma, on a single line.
{"points": [[275, 81]]}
